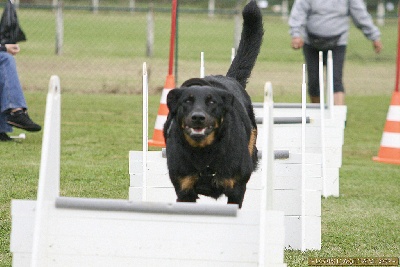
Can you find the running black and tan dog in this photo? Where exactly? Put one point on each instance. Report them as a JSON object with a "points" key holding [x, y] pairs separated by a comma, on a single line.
{"points": [[211, 130]]}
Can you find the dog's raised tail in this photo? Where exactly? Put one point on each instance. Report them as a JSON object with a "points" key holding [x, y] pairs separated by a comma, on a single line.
{"points": [[249, 46]]}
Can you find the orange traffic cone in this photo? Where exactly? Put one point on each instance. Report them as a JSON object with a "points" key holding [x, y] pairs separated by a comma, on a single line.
{"points": [[389, 151], [158, 137]]}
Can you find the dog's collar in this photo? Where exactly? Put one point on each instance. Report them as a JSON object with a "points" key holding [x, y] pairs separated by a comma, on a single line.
{"points": [[207, 172]]}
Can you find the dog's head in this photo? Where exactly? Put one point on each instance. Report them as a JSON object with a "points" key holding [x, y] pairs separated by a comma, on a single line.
{"points": [[199, 111]]}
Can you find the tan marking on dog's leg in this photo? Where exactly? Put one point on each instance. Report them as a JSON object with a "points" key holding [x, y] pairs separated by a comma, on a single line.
{"points": [[188, 182], [252, 141], [229, 183]]}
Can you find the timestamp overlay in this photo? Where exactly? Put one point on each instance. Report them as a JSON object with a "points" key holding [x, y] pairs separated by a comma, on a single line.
{"points": [[354, 261]]}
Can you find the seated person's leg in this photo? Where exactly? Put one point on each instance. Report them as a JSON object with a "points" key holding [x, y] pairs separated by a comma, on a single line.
{"points": [[4, 128], [12, 100]]}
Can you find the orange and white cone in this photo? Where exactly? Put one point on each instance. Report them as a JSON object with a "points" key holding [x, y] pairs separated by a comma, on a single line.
{"points": [[389, 151], [158, 137]]}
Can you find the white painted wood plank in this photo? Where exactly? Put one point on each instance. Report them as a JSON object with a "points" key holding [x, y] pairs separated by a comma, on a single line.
{"points": [[102, 261], [162, 180], [295, 169], [332, 182], [77, 233], [293, 230], [22, 224], [289, 201], [340, 112], [21, 259], [333, 156], [294, 182]]}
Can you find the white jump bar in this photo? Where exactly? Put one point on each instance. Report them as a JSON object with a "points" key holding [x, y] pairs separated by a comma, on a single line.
{"points": [[146, 207]]}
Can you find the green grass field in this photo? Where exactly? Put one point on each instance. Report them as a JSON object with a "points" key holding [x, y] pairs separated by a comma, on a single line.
{"points": [[100, 125], [104, 53]]}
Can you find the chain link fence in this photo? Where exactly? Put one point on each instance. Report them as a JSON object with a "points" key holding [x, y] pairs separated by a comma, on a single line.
{"points": [[100, 45]]}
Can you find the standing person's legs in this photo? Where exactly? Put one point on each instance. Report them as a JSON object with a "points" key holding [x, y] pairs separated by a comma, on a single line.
{"points": [[338, 57], [311, 58]]}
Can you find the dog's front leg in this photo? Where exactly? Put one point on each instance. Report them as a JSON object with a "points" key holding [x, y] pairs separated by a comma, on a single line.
{"points": [[185, 189], [235, 192]]}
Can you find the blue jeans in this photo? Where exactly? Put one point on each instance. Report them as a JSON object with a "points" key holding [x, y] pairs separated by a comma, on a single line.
{"points": [[11, 95]]}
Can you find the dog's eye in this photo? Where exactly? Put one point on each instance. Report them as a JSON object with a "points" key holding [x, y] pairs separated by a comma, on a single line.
{"points": [[189, 100], [210, 101]]}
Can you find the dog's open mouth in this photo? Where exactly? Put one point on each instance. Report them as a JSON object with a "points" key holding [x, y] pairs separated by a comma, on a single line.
{"points": [[198, 132]]}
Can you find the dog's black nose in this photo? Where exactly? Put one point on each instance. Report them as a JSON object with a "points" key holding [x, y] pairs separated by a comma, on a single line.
{"points": [[198, 117]]}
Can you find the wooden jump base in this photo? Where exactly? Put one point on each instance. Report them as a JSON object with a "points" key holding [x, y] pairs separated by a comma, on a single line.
{"points": [[302, 215], [64, 231]]}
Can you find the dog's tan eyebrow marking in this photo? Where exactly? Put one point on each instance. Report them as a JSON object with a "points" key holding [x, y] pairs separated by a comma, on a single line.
{"points": [[188, 182], [252, 141]]}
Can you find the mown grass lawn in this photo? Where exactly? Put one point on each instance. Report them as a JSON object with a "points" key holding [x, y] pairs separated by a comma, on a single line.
{"points": [[99, 130]]}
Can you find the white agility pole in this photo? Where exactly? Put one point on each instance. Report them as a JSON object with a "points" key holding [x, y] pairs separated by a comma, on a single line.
{"points": [[49, 174], [266, 167], [202, 65], [145, 85], [303, 158], [233, 54], [322, 109], [269, 148], [329, 78]]}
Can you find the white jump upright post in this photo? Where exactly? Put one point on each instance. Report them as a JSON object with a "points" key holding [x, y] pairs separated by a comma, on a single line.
{"points": [[145, 129], [266, 169], [202, 65], [334, 125], [49, 176], [268, 146], [322, 114], [303, 159], [329, 83]]}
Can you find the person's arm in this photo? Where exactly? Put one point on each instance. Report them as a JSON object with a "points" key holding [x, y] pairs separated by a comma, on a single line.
{"points": [[297, 22], [363, 20]]}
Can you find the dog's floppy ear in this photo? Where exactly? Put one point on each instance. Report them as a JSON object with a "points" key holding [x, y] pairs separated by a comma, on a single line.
{"points": [[228, 99], [195, 81], [172, 100]]}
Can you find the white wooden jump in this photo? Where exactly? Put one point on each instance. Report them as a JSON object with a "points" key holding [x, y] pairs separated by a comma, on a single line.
{"points": [[297, 182], [64, 231], [331, 128], [286, 195], [157, 187]]}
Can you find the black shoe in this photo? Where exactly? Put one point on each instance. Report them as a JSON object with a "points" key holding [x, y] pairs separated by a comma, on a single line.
{"points": [[4, 137], [20, 119]]}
